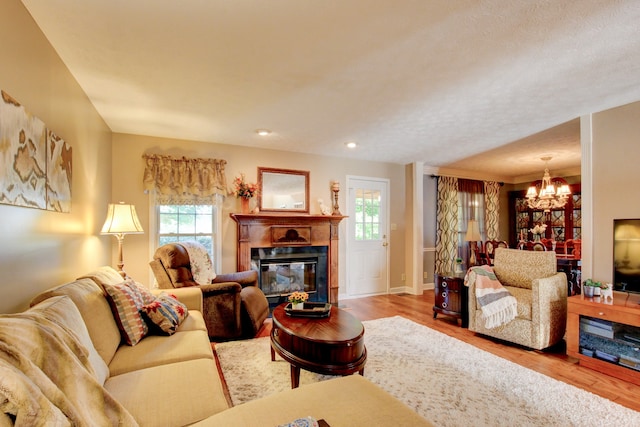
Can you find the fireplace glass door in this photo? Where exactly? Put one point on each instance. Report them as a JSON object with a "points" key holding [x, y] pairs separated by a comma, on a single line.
{"points": [[283, 278]]}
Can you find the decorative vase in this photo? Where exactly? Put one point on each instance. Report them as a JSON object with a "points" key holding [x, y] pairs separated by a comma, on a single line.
{"points": [[297, 305], [244, 203], [536, 237], [588, 291]]}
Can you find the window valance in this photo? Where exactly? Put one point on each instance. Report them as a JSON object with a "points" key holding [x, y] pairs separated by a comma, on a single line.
{"points": [[184, 180], [470, 186]]}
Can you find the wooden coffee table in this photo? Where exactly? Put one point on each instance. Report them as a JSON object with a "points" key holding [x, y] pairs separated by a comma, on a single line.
{"points": [[332, 345]]}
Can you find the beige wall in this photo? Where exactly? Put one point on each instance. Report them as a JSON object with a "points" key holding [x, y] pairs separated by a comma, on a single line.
{"points": [[39, 248], [128, 168], [615, 154]]}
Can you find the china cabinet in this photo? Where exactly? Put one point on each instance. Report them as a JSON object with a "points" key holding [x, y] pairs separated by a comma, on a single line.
{"points": [[562, 224]]}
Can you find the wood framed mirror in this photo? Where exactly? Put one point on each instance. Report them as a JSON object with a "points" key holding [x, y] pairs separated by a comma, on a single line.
{"points": [[283, 190]]}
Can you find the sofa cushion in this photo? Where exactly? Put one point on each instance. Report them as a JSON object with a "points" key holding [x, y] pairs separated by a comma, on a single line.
{"points": [[126, 300], [176, 394], [524, 298], [64, 312], [157, 350], [166, 312], [193, 322], [104, 275], [189, 296], [93, 306]]}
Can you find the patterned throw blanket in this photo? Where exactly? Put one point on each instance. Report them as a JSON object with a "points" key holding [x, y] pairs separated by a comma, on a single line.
{"points": [[497, 304], [201, 266]]}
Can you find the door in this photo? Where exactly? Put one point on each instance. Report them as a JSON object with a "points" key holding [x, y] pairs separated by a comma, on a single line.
{"points": [[367, 252]]}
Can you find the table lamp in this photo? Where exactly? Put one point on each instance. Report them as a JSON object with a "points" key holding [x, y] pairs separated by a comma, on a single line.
{"points": [[121, 219], [472, 236]]}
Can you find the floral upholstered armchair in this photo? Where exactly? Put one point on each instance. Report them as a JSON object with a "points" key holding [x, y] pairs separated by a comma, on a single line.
{"points": [[233, 304], [541, 293]]}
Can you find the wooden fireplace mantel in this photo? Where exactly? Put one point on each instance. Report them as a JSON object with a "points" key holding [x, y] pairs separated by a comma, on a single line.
{"points": [[268, 230]]}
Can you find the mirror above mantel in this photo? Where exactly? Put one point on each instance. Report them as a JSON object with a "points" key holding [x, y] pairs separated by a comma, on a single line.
{"points": [[283, 190]]}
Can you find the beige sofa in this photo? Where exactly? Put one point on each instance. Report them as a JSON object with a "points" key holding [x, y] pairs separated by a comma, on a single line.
{"points": [[161, 381]]}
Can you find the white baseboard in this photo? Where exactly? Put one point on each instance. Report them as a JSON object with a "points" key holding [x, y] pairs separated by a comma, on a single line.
{"points": [[428, 286], [392, 291]]}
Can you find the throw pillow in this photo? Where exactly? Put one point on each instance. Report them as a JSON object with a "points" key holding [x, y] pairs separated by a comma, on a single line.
{"points": [[126, 300], [166, 312], [145, 294]]}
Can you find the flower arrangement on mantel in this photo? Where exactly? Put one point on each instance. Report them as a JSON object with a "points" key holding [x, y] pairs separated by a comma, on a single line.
{"points": [[244, 189], [298, 297]]}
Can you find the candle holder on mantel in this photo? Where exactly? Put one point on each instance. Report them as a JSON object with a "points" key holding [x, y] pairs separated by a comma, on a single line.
{"points": [[335, 187]]}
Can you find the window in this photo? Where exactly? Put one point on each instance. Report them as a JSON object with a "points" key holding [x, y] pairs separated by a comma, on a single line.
{"points": [[471, 205], [199, 222], [367, 214]]}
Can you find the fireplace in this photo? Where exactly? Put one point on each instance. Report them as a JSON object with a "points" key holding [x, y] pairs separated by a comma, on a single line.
{"points": [[286, 269], [291, 251]]}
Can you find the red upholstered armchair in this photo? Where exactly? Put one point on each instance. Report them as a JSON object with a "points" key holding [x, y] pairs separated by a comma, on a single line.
{"points": [[233, 305]]}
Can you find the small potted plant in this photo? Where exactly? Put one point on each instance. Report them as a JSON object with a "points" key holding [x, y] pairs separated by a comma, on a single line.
{"points": [[589, 288], [297, 300], [458, 265]]}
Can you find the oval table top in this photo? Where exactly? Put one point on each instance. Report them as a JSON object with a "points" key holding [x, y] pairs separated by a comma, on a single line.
{"points": [[338, 327], [332, 345]]}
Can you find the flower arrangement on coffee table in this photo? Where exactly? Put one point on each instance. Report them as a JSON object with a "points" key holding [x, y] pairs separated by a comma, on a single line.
{"points": [[297, 299]]}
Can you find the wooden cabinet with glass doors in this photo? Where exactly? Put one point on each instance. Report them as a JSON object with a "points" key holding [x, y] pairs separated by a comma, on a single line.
{"points": [[562, 224]]}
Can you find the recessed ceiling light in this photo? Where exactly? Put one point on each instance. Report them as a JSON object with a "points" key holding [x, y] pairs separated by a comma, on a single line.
{"points": [[263, 132], [351, 145]]}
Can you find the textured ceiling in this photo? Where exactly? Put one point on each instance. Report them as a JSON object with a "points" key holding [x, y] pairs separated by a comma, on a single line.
{"points": [[432, 81]]}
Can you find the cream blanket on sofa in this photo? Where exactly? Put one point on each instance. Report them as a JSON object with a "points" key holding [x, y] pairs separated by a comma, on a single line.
{"points": [[497, 304], [46, 377]]}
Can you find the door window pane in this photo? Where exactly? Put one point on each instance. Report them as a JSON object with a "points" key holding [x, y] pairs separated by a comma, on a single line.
{"points": [[367, 215]]}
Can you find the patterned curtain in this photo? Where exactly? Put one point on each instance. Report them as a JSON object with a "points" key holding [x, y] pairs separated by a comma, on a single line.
{"points": [[446, 223], [492, 205], [180, 180]]}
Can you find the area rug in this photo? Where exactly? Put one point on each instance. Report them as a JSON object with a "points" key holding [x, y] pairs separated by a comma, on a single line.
{"points": [[447, 381]]}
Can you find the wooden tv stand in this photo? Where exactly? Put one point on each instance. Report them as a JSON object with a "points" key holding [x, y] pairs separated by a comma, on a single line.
{"points": [[623, 315]]}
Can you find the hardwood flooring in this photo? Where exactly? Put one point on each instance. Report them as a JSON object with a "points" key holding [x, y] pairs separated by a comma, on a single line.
{"points": [[552, 362]]}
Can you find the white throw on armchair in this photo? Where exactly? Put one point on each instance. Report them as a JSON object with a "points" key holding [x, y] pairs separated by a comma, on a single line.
{"points": [[532, 278]]}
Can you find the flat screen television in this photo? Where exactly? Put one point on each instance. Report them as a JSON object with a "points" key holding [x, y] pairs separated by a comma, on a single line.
{"points": [[626, 255]]}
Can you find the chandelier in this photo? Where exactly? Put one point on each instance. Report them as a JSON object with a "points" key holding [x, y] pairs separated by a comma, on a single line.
{"points": [[549, 196]]}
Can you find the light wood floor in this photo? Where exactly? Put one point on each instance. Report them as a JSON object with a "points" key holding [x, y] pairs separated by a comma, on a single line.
{"points": [[552, 362]]}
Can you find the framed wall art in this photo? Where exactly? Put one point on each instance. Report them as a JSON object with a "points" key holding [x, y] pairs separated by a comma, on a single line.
{"points": [[35, 163]]}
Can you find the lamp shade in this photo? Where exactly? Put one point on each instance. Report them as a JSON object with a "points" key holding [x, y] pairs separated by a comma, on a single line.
{"points": [[473, 231], [121, 219]]}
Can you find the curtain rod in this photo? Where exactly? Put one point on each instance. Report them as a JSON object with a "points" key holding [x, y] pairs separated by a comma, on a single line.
{"points": [[438, 176]]}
